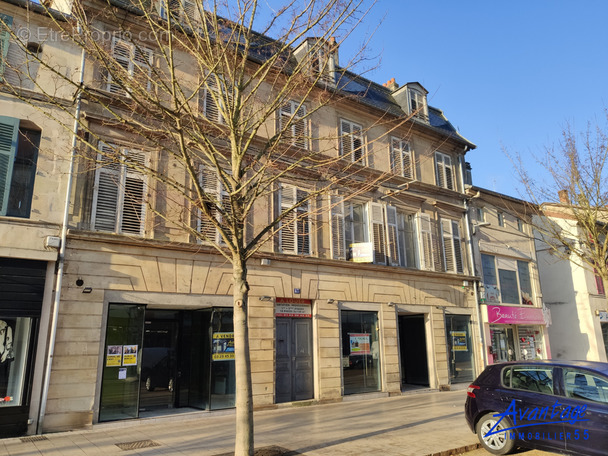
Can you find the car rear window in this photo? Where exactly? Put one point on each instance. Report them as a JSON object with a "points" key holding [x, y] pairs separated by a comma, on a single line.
{"points": [[584, 385], [529, 378]]}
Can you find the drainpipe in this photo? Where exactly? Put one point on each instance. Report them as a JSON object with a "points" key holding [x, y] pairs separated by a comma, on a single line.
{"points": [[62, 249], [472, 261]]}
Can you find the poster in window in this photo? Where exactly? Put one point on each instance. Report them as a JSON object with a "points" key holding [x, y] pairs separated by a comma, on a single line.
{"points": [[359, 344], [114, 356], [7, 354], [223, 346], [459, 340], [129, 355]]}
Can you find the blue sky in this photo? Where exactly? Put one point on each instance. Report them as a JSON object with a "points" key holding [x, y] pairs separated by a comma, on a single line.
{"points": [[506, 74], [509, 75]]}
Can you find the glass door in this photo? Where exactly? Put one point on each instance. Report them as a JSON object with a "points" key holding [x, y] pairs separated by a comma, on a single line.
{"points": [[123, 350]]}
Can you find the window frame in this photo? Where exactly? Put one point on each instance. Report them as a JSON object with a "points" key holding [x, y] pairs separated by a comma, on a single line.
{"points": [[130, 64], [296, 115], [350, 137], [415, 98], [500, 216], [443, 170], [295, 218], [5, 37], [400, 157], [124, 173], [451, 238]]}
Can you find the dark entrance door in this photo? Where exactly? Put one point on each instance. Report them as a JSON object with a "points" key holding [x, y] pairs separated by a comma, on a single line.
{"points": [[159, 369], [412, 346], [293, 359]]}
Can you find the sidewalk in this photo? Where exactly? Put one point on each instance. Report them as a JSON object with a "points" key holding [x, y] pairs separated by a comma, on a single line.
{"points": [[416, 424]]}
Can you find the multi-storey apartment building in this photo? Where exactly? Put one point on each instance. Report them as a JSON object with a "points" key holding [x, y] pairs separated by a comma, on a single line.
{"points": [[514, 318], [369, 294]]}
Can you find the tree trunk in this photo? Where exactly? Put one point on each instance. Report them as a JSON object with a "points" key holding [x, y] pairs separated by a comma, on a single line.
{"points": [[244, 394]]}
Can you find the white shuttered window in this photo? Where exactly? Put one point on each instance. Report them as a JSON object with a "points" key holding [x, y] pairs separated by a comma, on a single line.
{"points": [[293, 121], [351, 141], [294, 235], [119, 195], [401, 158]]}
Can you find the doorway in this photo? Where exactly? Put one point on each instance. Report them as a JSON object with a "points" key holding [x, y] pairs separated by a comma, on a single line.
{"points": [[157, 360], [294, 361], [412, 348]]}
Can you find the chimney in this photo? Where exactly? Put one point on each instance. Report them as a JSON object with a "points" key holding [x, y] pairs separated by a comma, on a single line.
{"points": [[391, 85], [563, 197], [333, 50]]}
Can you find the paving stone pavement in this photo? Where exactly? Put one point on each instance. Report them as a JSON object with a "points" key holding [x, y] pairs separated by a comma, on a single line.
{"points": [[417, 424]]}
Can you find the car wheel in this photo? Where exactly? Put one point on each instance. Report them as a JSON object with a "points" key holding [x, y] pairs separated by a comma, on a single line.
{"points": [[149, 384], [498, 442]]}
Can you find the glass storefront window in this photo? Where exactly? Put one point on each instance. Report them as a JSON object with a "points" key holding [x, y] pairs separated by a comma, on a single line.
{"points": [[14, 348], [360, 351], [223, 385], [460, 350]]}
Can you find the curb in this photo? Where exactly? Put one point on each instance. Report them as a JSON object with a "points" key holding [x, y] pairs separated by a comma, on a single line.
{"points": [[457, 451]]}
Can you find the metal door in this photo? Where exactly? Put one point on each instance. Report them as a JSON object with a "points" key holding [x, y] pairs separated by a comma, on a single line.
{"points": [[293, 378]]}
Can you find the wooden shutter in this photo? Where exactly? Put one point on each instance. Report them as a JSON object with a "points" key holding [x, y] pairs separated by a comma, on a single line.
{"points": [[449, 175], [303, 223], [288, 241], [377, 232], [122, 53], [211, 98], [345, 139], [133, 210], [211, 186], [357, 142], [106, 191], [338, 241], [439, 170], [457, 247], [449, 261], [4, 40], [292, 116], [425, 242], [392, 235], [143, 59], [400, 157], [9, 136]]}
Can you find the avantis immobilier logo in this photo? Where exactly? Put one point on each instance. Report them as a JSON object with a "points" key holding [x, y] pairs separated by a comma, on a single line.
{"points": [[556, 414]]}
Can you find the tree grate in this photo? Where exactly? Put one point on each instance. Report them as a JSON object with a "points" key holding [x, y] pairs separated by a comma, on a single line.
{"points": [[137, 445], [33, 438]]}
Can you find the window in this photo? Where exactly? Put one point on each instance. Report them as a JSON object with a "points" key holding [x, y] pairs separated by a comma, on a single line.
{"points": [[181, 10], [390, 233], [213, 188], [599, 283], [501, 218], [418, 106], [520, 225], [119, 195], [480, 214], [513, 277], [444, 171], [537, 379], [211, 99], [294, 234], [18, 158], [401, 158], [136, 61], [5, 24], [351, 141], [294, 124], [587, 386], [426, 241], [452, 250]]}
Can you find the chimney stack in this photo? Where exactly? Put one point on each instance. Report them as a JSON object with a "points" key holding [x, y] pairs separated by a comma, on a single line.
{"points": [[391, 85]]}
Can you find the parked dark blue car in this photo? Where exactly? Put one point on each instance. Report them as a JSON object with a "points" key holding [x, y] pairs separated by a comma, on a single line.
{"points": [[559, 406]]}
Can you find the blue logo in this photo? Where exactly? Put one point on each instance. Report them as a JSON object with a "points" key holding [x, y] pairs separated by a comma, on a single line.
{"points": [[556, 414]]}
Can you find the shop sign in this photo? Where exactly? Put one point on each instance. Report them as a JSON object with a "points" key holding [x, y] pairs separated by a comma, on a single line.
{"points": [[459, 341], [359, 344], [223, 346], [362, 252], [604, 317], [293, 307], [506, 315]]}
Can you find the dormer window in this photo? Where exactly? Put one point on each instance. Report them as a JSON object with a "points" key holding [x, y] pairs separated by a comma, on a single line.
{"points": [[417, 101], [320, 58]]}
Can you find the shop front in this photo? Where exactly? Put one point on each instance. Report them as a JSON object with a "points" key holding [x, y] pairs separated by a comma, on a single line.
{"points": [[22, 283], [514, 333], [159, 359]]}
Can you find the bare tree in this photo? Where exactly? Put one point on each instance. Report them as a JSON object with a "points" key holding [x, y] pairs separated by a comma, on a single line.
{"points": [[570, 209], [230, 112]]}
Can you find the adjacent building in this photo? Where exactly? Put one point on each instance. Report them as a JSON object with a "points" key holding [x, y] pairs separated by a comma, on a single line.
{"points": [[514, 319]]}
